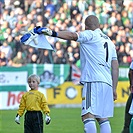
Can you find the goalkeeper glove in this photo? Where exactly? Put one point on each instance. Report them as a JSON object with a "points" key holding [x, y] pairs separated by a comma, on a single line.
{"points": [[45, 31], [28, 37], [47, 119], [17, 119]]}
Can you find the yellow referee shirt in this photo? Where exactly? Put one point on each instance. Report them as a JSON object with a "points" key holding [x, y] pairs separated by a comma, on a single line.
{"points": [[33, 101]]}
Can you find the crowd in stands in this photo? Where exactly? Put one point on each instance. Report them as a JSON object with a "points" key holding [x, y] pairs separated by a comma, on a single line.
{"points": [[19, 16]]}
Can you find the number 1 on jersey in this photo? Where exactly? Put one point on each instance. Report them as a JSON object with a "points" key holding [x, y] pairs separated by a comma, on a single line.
{"points": [[106, 47]]}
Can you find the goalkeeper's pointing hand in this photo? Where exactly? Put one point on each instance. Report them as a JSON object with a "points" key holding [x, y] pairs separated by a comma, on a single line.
{"points": [[45, 31]]}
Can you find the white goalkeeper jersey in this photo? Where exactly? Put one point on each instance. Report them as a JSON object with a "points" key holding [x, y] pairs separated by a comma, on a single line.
{"points": [[96, 53]]}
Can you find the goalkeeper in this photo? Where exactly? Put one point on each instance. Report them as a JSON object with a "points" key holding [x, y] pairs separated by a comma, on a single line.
{"points": [[127, 121], [99, 73], [33, 102]]}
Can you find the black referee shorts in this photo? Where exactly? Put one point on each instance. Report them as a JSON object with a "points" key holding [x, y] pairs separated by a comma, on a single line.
{"points": [[33, 122]]}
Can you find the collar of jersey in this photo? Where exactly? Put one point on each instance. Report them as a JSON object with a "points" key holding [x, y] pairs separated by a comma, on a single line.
{"points": [[33, 90]]}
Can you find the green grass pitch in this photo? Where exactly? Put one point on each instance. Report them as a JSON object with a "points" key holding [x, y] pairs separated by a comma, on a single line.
{"points": [[64, 120]]}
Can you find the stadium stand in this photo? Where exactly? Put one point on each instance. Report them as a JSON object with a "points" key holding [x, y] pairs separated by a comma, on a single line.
{"points": [[17, 16]]}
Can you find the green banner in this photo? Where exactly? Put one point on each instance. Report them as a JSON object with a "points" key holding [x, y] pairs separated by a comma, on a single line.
{"points": [[51, 75], [123, 73], [15, 79]]}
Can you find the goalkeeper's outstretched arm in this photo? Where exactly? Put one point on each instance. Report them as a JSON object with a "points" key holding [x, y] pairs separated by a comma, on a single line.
{"points": [[67, 35]]}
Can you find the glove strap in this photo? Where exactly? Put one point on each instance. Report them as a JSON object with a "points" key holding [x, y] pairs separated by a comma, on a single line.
{"points": [[47, 114], [54, 34], [17, 115]]}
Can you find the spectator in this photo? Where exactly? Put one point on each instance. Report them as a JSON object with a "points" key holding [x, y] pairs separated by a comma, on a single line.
{"points": [[60, 58], [91, 10], [82, 5], [115, 6], [74, 10], [18, 60], [124, 17], [66, 10], [75, 46], [59, 46], [114, 29], [7, 50], [73, 25], [56, 18], [99, 3], [12, 19], [30, 52], [115, 20], [18, 46], [34, 58], [130, 12], [118, 22], [3, 28], [3, 59], [112, 19], [10, 41], [49, 6], [5, 15], [34, 5], [124, 61], [70, 56], [39, 20], [43, 57], [104, 15], [39, 8], [121, 53], [127, 52], [128, 24], [76, 52]]}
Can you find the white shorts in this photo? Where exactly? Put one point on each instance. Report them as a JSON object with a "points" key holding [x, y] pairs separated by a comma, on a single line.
{"points": [[97, 99]]}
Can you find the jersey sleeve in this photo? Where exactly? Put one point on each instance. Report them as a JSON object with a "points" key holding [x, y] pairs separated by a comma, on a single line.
{"points": [[44, 105], [84, 36], [22, 107]]}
